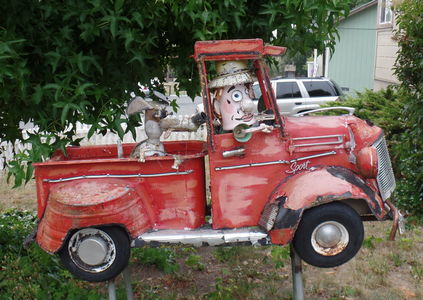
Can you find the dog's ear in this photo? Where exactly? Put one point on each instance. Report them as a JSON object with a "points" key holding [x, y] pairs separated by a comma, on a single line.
{"points": [[216, 106], [137, 105], [162, 98], [216, 98]]}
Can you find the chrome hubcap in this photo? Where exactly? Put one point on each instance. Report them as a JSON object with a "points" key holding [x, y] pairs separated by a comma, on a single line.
{"points": [[329, 238], [92, 250]]}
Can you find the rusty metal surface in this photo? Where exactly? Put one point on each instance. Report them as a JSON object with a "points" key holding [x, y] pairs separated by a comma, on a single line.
{"points": [[87, 193], [241, 186], [396, 217], [367, 162], [234, 49], [333, 250], [239, 195], [282, 236], [288, 218], [326, 184], [138, 204], [330, 238], [123, 206], [301, 162]]}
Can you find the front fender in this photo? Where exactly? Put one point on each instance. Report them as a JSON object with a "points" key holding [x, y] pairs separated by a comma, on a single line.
{"points": [[87, 203], [316, 187]]}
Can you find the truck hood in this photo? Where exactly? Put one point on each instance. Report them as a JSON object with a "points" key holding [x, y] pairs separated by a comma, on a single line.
{"points": [[363, 132]]}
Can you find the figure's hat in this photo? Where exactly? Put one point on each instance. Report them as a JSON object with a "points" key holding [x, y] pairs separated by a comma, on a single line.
{"points": [[231, 73]]}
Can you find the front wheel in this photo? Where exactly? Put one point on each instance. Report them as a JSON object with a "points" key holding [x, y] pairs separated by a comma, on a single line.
{"points": [[96, 254], [329, 235]]}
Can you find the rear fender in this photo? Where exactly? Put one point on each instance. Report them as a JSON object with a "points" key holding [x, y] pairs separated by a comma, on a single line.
{"points": [[313, 188], [88, 203]]}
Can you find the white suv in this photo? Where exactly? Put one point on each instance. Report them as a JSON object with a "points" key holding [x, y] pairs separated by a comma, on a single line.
{"points": [[295, 95]]}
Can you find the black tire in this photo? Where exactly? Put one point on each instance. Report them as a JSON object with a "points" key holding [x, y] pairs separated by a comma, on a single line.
{"points": [[96, 254], [329, 235]]}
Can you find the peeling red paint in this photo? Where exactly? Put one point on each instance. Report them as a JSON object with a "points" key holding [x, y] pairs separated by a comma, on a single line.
{"points": [[303, 162], [282, 236], [137, 204]]}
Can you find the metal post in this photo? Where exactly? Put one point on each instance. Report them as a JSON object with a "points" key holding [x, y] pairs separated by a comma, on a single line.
{"points": [[112, 290], [128, 286], [297, 280]]}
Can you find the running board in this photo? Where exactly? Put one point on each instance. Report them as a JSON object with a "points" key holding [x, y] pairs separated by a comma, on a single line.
{"points": [[203, 237]]}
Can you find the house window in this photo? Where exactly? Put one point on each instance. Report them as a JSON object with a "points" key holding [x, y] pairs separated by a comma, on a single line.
{"points": [[385, 12]]}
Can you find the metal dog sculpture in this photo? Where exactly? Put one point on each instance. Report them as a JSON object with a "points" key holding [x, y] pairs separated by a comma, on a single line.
{"points": [[157, 120]]}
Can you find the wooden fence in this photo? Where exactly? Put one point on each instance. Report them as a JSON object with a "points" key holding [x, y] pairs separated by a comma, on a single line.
{"points": [[6, 149]]}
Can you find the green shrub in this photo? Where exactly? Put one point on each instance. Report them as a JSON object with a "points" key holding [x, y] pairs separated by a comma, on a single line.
{"points": [[31, 273], [408, 152], [409, 70], [383, 108]]}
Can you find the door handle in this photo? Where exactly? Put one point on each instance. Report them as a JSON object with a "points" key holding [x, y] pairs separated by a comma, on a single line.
{"points": [[298, 103], [235, 152]]}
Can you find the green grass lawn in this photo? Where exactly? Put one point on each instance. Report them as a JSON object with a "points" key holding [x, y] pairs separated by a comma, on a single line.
{"points": [[381, 270]]}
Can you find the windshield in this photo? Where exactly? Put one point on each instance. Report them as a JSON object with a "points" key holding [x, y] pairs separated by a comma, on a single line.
{"points": [[257, 91]]}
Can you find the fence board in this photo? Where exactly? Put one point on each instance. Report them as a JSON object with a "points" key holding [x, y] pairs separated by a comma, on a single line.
{"points": [[6, 149]]}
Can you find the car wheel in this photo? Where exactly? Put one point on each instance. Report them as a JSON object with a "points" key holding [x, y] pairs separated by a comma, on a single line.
{"points": [[329, 235], [96, 254]]}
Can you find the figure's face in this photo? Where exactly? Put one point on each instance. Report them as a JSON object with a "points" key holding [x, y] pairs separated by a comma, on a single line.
{"points": [[234, 105]]}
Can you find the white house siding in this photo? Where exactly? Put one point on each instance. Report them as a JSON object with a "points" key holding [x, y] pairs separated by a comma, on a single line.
{"points": [[386, 49]]}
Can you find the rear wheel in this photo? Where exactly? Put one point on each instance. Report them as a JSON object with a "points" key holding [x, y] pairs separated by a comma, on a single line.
{"points": [[329, 235], [96, 254]]}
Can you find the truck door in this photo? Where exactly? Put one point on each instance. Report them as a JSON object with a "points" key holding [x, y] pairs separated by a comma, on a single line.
{"points": [[242, 176]]}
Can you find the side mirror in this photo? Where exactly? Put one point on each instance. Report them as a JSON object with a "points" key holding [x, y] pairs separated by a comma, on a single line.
{"points": [[240, 133], [243, 132]]}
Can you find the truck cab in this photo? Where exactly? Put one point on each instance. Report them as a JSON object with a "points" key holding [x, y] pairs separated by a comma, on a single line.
{"points": [[308, 180]]}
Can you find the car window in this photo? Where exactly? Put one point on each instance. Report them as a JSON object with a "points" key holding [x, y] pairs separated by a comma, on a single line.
{"points": [[257, 91], [287, 90], [319, 88], [338, 90]]}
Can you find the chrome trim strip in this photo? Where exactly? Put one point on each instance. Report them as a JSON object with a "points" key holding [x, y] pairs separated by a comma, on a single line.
{"points": [[318, 137], [313, 156], [252, 165], [276, 162], [235, 152], [350, 110], [117, 176], [340, 140], [385, 175], [199, 237]]}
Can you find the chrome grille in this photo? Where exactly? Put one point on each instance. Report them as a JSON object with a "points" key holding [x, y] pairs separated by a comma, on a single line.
{"points": [[385, 174]]}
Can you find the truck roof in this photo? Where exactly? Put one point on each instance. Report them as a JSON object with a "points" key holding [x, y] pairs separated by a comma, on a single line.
{"points": [[234, 49]]}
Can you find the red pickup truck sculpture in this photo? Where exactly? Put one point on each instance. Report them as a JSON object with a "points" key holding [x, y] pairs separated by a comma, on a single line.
{"points": [[309, 180]]}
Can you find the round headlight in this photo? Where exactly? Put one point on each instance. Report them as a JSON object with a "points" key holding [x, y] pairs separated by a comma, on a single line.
{"points": [[367, 162]]}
